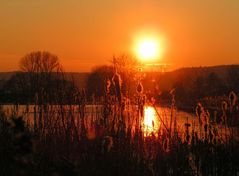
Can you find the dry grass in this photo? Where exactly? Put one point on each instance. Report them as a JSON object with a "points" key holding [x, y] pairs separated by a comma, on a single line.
{"points": [[108, 138]]}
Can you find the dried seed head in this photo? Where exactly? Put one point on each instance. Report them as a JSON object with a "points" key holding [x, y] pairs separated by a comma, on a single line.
{"points": [[107, 144], [166, 145], [232, 98], [199, 109], [172, 92], [117, 83], [199, 112], [207, 116], [139, 88], [108, 84], [224, 105]]}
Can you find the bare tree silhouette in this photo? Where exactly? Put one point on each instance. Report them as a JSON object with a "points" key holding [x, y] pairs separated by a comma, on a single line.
{"points": [[41, 68], [40, 62]]}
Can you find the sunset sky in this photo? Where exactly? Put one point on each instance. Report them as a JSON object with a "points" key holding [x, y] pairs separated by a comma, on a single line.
{"points": [[86, 33]]}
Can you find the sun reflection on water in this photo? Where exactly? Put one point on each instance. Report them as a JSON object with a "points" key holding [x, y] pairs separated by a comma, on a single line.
{"points": [[150, 121]]}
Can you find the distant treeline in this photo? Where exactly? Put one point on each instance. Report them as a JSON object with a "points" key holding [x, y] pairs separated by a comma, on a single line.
{"points": [[41, 79]]}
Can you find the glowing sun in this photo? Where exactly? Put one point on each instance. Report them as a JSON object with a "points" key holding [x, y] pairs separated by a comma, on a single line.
{"points": [[148, 49]]}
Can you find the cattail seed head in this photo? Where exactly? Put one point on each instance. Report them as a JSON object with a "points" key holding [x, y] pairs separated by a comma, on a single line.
{"points": [[232, 98], [117, 83], [139, 88], [199, 109], [199, 112], [107, 144], [224, 106], [108, 84]]}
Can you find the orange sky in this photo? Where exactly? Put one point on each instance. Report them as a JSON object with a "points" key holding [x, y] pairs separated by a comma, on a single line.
{"points": [[87, 33]]}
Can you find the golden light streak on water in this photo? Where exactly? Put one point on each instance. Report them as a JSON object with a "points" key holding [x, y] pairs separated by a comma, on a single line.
{"points": [[151, 123]]}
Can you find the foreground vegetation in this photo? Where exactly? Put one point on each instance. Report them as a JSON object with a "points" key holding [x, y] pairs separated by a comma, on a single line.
{"points": [[60, 145], [61, 138]]}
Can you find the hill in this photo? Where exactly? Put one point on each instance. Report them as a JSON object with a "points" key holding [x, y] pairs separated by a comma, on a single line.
{"points": [[188, 76], [166, 80]]}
